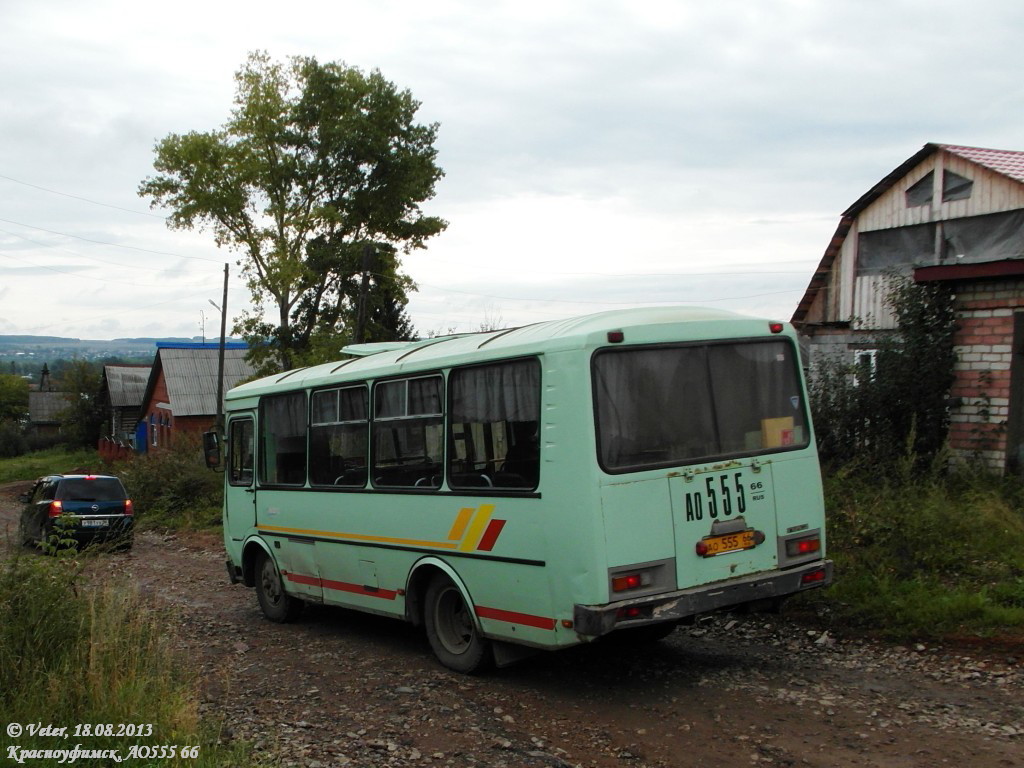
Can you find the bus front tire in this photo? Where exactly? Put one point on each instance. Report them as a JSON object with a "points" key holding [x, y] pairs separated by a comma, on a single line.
{"points": [[451, 631], [276, 604]]}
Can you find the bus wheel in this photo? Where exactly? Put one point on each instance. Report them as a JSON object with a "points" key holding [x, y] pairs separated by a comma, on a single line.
{"points": [[276, 604], [451, 630]]}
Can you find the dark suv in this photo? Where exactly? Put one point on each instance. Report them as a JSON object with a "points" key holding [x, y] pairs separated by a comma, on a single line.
{"points": [[90, 508]]}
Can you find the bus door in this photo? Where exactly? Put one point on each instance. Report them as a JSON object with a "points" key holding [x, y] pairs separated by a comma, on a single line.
{"points": [[240, 489], [725, 521]]}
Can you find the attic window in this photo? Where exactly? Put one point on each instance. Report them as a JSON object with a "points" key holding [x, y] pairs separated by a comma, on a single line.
{"points": [[955, 187], [921, 192]]}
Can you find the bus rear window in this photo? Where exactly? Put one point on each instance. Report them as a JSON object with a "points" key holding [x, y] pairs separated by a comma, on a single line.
{"points": [[670, 405]]}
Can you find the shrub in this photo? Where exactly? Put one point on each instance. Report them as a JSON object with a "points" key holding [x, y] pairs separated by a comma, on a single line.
{"points": [[70, 654], [925, 555], [172, 487], [899, 406], [12, 441]]}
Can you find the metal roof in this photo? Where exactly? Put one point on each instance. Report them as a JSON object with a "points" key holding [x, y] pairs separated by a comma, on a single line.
{"points": [[126, 384], [191, 377], [46, 407]]}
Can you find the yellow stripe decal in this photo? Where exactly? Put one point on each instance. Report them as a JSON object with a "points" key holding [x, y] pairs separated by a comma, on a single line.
{"points": [[360, 537], [476, 528], [459, 526]]}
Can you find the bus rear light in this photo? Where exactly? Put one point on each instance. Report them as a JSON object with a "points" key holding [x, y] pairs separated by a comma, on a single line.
{"points": [[775, 327], [616, 337], [629, 612], [801, 547], [813, 577], [630, 581], [56, 509]]}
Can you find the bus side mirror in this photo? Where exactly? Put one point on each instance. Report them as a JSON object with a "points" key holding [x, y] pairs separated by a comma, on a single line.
{"points": [[211, 449]]}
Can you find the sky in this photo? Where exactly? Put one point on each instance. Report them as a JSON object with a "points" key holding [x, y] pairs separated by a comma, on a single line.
{"points": [[597, 155]]}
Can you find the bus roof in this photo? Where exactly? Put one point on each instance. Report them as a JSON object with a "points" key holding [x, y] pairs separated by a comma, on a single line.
{"points": [[649, 325]]}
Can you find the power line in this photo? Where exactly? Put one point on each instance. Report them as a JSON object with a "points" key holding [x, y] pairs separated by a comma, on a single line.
{"points": [[76, 275], [81, 255], [598, 303], [113, 245], [83, 199]]}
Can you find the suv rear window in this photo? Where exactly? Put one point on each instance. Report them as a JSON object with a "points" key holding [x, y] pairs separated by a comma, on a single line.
{"points": [[90, 489]]}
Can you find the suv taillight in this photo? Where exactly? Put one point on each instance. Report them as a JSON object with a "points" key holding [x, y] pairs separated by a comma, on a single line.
{"points": [[128, 510], [56, 509]]}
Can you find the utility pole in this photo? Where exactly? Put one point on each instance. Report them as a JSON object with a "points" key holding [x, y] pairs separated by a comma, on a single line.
{"points": [[220, 356]]}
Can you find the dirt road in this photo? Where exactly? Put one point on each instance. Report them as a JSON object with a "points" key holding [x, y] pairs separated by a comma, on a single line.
{"points": [[344, 689]]}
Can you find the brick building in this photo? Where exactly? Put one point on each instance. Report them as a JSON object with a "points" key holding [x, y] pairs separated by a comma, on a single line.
{"points": [[181, 393]]}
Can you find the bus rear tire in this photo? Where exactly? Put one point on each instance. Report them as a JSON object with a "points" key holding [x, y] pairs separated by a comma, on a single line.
{"points": [[451, 630], [276, 604]]}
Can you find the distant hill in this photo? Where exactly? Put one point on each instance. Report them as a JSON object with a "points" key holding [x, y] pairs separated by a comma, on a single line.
{"points": [[36, 340], [62, 340], [24, 353]]}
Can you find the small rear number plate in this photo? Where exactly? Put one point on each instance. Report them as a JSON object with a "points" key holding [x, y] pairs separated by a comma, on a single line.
{"points": [[95, 523], [730, 542]]}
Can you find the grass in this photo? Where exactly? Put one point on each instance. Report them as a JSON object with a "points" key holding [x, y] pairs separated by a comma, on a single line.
{"points": [[74, 653], [53, 460], [171, 489], [926, 556]]}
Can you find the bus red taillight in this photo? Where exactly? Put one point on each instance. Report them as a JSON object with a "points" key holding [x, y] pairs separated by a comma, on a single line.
{"points": [[627, 582], [800, 547], [775, 327], [813, 577], [56, 509]]}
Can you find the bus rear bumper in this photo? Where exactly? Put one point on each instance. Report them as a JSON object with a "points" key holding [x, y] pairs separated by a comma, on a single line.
{"points": [[597, 620]]}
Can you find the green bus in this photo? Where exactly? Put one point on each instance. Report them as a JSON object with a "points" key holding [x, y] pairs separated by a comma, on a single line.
{"points": [[534, 487]]}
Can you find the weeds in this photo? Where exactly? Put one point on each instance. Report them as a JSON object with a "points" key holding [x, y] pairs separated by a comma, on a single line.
{"points": [[926, 556], [75, 653], [172, 488]]}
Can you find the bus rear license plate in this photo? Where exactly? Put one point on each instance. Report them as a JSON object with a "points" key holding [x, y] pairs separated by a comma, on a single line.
{"points": [[731, 542], [94, 523]]}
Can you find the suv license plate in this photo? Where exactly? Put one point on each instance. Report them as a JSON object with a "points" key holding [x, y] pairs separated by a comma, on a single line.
{"points": [[730, 542], [94, 523]]}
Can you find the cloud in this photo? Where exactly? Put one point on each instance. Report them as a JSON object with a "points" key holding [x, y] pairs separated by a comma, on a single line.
{"points": [[581, 141]]}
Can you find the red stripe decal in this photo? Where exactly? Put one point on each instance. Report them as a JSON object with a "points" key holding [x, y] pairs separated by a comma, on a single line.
{"points": [[358, 589], [491, 535], [312, 581], [512, 617], [341, 586]]}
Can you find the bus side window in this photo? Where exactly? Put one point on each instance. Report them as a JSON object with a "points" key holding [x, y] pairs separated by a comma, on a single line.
{"points": [[408, 433], [339, 437], [240, 445], [283, 439], [493, 435]]}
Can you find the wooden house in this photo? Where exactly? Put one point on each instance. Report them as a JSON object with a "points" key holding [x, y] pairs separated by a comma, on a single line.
{"points": [[121, 391], [953, 214], [181, 392]]}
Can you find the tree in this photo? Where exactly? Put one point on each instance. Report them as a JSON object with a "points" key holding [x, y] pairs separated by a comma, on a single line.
{"points": [[879, 412], [83, 417], [318, 165], [13, 398]]}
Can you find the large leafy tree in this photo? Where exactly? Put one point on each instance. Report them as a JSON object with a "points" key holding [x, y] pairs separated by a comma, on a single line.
{"points": [[316, 180], [13, 398]]}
